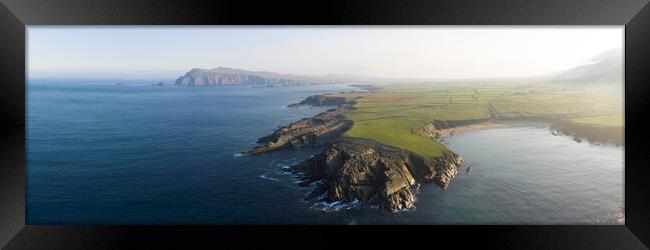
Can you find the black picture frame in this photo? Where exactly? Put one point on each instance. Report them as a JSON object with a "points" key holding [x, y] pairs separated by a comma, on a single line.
{"points": [[16, 14]]}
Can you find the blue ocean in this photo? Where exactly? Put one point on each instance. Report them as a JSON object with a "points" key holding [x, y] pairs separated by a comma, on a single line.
{"points": [[134, 153]]}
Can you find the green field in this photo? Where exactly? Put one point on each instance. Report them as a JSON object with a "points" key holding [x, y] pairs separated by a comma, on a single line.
{"points": [[389, 115]]}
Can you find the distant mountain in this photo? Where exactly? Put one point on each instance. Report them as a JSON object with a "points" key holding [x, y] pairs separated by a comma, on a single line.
{"points": [[230, 76], [606, 69]]}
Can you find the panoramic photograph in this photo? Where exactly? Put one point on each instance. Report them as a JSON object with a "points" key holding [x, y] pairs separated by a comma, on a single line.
{"points": [[352, 125]]}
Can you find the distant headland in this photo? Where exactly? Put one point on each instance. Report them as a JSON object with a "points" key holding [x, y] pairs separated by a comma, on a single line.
{"points": [[222, 76]]}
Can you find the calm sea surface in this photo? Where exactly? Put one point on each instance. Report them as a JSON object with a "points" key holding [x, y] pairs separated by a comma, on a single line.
{"points": [[99, 153]]}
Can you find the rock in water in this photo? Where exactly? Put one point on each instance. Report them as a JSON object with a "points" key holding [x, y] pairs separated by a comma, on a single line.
{"points": [[577, 139], [357, 169], [468, 169]]}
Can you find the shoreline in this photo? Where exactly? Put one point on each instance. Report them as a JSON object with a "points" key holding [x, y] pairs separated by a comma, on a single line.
{"points": [[446, 132], [579, 132]]}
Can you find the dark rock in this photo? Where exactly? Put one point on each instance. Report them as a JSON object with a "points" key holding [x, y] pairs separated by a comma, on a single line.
{"points": [[468, 169], [357, 169], [577, 139]]}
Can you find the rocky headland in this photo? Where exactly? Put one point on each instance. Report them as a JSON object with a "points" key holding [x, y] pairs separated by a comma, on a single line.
{"points": [[358, 169], [318, 130]]}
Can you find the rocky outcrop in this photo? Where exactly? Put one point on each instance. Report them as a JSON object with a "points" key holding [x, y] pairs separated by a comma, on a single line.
{"points": [[317, 130], [356, 169], [228, 76], [321, 100]]}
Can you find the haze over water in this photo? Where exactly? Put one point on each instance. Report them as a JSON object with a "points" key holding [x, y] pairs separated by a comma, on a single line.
{"points": [[140, 154]]}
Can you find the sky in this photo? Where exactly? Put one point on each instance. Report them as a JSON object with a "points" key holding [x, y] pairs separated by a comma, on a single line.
{"points": [[415, 52]]}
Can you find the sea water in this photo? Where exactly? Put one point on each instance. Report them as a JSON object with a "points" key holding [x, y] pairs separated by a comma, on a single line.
{"points": [[101, 153]]}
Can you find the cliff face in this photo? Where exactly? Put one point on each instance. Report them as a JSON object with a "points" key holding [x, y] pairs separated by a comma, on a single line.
{"points": [[227, 76], [356, 169]]}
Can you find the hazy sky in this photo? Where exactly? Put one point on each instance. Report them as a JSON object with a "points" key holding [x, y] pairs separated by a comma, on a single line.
{"points": [[435, 52]]}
